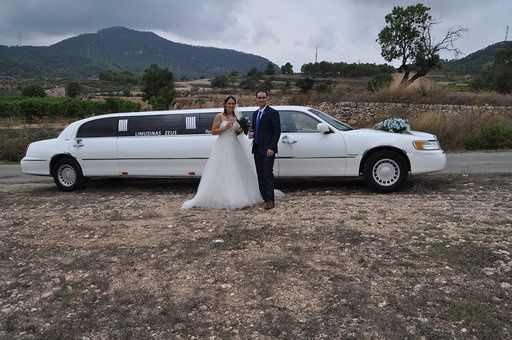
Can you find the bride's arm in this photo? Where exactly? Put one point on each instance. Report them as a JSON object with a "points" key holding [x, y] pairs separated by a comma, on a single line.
{"points": [[216, 129]]}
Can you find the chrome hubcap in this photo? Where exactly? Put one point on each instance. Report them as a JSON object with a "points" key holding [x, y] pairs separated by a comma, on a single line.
{"points": [[386, 172], [67, 175]]}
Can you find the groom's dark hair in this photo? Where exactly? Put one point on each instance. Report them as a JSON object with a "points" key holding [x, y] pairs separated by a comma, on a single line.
{"points": [[264, 91]]}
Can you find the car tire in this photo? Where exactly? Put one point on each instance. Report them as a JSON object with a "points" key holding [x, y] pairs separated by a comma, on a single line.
{"points": [[385, 171], [67, 174]]}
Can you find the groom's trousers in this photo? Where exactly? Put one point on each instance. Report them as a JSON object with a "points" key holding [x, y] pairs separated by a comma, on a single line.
{"points": [[265, 171]]}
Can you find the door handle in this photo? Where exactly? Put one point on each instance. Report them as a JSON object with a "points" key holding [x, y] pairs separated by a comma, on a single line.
{"points": [[288, 140], [78, 142]]}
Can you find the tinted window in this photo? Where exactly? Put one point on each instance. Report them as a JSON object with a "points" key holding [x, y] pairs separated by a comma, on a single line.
{"points": [[206, 122], [170, 125], [159, 125], [294, 121], [106, 127]]}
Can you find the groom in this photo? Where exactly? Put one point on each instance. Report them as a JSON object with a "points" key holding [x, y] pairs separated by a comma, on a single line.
{"points": [[267, 129]]}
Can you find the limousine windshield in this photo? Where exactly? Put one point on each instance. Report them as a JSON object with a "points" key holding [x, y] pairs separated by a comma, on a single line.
{"points": [[333, 121]]}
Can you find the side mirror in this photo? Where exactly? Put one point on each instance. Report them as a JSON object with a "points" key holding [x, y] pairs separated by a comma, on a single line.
{"points": [[323, 128]]}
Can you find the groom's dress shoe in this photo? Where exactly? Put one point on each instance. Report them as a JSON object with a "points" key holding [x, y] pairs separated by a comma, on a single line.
{"points": [[269, 205]]}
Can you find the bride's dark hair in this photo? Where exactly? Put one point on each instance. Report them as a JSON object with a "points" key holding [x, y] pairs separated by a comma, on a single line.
{"points": [[228, 97]]}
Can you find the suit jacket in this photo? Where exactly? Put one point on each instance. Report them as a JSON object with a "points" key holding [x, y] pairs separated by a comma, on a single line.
{"points": [[269, 130]]}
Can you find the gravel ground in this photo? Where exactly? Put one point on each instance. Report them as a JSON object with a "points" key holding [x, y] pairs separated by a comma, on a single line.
{"points": [[333, 260]]}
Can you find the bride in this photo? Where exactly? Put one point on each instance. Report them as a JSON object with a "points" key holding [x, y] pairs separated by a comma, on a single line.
{"points": [[229, 179]]}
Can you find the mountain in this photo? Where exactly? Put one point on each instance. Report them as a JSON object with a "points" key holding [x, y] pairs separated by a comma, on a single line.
{"points": [[476, 62], [120, 48]]}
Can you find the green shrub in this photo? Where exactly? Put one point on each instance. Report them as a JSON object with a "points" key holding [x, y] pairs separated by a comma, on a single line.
{"points": [[158, 103], [33, 91], [496, 136], [220, 82], [32, 109], [115, 104], [379, 81]]}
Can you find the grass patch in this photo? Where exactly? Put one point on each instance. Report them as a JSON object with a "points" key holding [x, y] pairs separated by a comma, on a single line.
{"points": [[437, 245], [477, 317], [495, 136]]}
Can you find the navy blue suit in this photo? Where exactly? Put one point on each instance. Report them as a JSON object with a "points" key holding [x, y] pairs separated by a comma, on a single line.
{"points": [[267, 136]]}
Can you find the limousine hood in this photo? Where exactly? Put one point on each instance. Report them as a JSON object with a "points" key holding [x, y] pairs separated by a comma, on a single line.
{"points": [[360, 140], [393, 135]]}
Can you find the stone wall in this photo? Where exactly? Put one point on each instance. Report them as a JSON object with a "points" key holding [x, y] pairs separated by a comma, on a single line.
{"points": [[359, 114]]}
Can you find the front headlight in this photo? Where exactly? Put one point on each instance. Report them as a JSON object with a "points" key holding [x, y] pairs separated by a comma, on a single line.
{"points": [[426, 145]]}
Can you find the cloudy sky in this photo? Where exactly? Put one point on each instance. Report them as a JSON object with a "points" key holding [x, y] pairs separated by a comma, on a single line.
{"points": [[282, 31]]}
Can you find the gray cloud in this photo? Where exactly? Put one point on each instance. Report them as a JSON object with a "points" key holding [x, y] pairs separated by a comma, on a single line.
{"points": [[344, 30], [188, 19]]}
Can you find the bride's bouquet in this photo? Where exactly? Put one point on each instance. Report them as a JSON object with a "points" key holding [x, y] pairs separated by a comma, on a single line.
{"points": [[242, 121]]}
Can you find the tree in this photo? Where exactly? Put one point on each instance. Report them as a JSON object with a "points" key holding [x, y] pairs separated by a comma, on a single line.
{"points": [[266, 86], [305, 84], [270, 69], [158, 82], [250, 83], [254, 72], [287, 86], [73, 89], [498, 77], [33, 91], [220, 82], [287, 68], [379, 81], [408, 36], [502, 70]]}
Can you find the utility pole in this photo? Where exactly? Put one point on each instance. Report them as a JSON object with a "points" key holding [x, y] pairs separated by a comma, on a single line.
{"points": [[316, 54], [506, 34]]}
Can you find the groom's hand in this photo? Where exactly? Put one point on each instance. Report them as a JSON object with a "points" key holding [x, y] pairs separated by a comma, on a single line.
{"points": [[270, 152]]}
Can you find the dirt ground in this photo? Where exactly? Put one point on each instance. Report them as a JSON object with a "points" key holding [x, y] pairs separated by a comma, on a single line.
{"points": [[119, 259]]}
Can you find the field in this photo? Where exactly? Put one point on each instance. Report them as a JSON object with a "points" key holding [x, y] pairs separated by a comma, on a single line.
{"points": [[333, 260]]}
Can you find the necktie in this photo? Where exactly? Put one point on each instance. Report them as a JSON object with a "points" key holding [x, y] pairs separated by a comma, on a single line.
{"points": [[258, 118]]}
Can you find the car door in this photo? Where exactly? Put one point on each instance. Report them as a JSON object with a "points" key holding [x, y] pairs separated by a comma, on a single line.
{"points": [[95, 147], [303, 151]]}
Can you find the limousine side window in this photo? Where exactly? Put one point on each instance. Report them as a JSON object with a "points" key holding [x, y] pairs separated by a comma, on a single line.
{"points": [[158, 125], [294, 121], [169, 125], [105, 127], [206, 122]]}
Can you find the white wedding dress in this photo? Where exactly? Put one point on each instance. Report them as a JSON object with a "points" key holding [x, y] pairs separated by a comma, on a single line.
{"points": [[229, 178]]}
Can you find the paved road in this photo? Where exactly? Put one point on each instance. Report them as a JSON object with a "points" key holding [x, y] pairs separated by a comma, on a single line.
{"points": [[467, 162]]}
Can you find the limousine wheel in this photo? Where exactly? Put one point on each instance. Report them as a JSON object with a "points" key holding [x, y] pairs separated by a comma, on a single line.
{"points": [[385, 171], [67, 174]]}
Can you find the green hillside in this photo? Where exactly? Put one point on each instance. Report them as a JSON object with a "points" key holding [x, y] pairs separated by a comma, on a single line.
{"points": [[120, 48], [476, 62]]}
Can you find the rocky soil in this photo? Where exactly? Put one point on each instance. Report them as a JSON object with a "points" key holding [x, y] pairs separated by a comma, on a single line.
{"points": [[119, 259]]}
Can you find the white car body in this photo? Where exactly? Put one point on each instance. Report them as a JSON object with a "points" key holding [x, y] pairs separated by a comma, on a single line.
{"points": [[312, 144]]}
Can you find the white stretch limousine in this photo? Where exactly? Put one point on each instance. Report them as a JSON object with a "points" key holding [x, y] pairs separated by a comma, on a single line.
{"points": [[178, 143]]}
